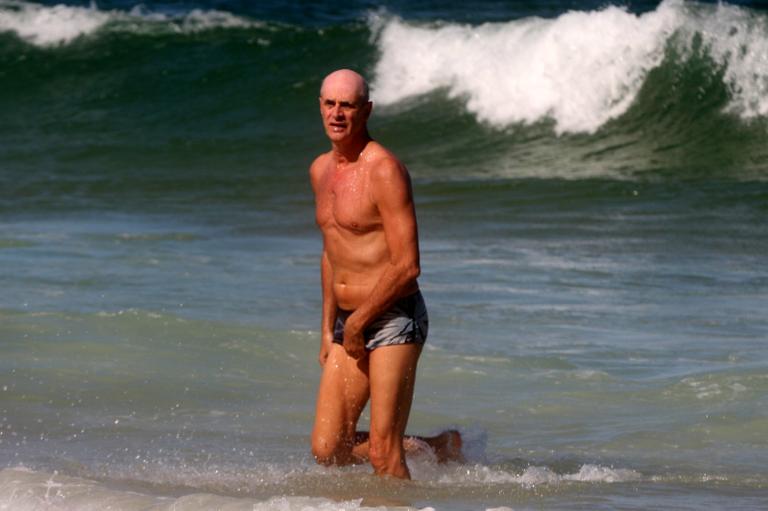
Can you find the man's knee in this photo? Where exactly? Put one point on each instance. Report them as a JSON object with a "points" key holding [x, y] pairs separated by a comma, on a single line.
{"points": [[324, 452], [330, 452]]}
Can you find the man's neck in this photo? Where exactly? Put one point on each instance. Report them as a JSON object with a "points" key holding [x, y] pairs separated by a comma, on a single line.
{"points": [[349, 152]]}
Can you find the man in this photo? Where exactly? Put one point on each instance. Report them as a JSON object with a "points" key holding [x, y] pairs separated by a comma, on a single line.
{"points": [[374, 321]]}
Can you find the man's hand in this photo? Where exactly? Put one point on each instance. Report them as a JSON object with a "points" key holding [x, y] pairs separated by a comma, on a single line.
{"points": [[354, 342]]}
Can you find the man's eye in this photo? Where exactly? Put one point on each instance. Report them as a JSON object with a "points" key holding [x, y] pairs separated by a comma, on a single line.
{"points": [[342, 106]]}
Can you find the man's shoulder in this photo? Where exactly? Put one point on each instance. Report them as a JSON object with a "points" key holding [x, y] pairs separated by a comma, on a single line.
{"points": [[384, 163], [319, 164], [389, 177], [321, 160]]}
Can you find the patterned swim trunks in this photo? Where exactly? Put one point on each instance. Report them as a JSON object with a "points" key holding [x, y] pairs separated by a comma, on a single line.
{"points": [[406, 322]]}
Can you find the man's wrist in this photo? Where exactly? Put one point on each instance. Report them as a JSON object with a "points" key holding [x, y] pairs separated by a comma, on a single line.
{"points": [[352, 323]]}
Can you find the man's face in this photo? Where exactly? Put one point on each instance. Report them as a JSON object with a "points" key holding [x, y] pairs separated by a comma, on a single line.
{"points": [[344, 113]]}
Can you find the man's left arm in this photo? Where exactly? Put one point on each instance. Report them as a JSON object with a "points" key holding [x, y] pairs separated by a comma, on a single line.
{"points": [[391, 192]]}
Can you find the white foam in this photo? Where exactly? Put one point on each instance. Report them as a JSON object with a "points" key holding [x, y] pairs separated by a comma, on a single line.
{"points": [[536, 475], [45, 26], [57, 25], [738, 41], [600, 474], [24, 490], [580, 69]]}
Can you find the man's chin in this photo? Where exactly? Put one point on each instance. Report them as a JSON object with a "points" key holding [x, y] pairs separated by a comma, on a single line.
{"points": [[337, 136]]}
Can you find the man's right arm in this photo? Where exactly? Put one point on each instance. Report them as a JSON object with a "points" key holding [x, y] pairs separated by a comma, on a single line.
{"points": [[329, 308], [328, 319]]}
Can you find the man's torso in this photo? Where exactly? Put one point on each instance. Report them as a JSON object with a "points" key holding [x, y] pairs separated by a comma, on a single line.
{"points": [[353, 233]]}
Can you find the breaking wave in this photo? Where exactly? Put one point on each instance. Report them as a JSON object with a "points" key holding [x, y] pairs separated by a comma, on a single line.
{"points": [[61, 24], [581, 69]]}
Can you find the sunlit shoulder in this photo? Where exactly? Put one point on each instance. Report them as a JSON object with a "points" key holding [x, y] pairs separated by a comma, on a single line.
{"points": [[385, 168]]}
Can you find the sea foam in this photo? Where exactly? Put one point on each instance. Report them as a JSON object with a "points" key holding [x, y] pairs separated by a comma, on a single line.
{"points": [[22, 489], [738, 41], [46, 26], [537, 475], [26, 490], [580, 70]]}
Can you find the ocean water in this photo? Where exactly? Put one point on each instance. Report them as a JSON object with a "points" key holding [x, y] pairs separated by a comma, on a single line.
{"points": [[591, 184]]}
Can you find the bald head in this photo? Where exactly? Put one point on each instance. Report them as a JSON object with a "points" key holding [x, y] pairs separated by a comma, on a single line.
{"points": [[345, 108], [345, 82]]}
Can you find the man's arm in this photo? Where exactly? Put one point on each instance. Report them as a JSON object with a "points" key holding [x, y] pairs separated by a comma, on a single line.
{"points": [[391, 192], [329, 308], [328, 318]]}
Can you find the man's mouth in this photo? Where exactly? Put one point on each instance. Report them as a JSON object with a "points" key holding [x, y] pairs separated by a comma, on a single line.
{"points": [[337, 127]]}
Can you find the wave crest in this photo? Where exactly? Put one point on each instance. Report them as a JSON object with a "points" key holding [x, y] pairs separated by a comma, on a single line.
{"points": [[580, 70], [46, 26], [61, 24]]}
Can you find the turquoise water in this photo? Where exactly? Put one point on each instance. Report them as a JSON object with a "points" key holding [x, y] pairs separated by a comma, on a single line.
{"points": [[591, 193]]}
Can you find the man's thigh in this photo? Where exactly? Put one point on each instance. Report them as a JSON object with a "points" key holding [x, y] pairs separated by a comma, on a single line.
{"points": [[342, 395], [392, 371]]}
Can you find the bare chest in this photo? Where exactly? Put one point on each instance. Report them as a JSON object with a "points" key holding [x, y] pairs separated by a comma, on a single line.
{"points": [[344, 201]]}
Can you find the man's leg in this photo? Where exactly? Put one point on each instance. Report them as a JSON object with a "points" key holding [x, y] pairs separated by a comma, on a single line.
{"points": [[445, 447], [344, 390], [392, 374]]}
